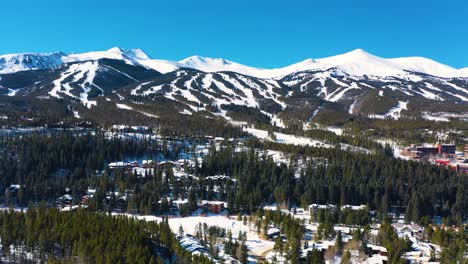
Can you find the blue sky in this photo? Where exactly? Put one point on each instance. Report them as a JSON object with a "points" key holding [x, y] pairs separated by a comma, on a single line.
{"points": [[259, 33]]}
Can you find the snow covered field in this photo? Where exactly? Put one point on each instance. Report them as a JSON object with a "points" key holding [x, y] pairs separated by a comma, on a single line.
{"points": [[287, 139], [393, 113]]}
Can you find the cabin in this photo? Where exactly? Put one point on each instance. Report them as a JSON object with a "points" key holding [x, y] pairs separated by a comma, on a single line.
{"points": [[64, 201]]}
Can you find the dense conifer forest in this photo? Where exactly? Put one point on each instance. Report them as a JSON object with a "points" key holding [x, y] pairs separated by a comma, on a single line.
{"points": [[85, 237], [45, 165]]}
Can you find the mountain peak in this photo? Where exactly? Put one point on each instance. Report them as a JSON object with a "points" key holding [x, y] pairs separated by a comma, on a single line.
{"points": [[139, 53], [356, 62], [357, 54], [132, 54], [359, 51], [198, 58], [10, 63], [116, 50], [206, 63]]}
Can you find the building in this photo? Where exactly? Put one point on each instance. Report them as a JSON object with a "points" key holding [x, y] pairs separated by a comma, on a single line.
{"points": [[130, 129], [180, 203], [192, 245], [314, 208], [446, 149], [273, 232], [64, 201], [354, 207], [13, 189], [147, 163], [460, 167], [443, 162], [377, 250], [214, 207], [424, 151]]}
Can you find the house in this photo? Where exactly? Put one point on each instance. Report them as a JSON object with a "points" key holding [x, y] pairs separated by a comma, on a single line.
{"points": [[130, 129], [354, 207], [402, 228], [377, 250], [13, 189], [408, 230], [416, 257], [192, 245], [64, 201], [89, 194], [214, 207], [377, 259], [147, 163], [273, 232], [180, 203], [117, 165], [85, 200], [313, 208]]}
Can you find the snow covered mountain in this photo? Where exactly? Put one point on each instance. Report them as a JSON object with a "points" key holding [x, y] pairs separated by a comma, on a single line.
{"points": [[30, 61], [350, 84], [356, 63]]}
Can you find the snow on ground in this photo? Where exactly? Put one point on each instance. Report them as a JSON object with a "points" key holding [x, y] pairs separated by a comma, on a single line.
{"points": [[316, 111], [127, 107], [76, 114], [286, 139], [351, 107], [427, 94], [338, 94], [12, 92], [444, 116], [4, 207], [255, 244], [430, 117], [124, 106], [186, 112], [302, 141], [394, 113], [337, 130], [356, 63], [78, 72]]}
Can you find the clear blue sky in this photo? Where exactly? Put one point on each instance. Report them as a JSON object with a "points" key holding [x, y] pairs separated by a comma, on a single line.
{"points": [[259, 33]]}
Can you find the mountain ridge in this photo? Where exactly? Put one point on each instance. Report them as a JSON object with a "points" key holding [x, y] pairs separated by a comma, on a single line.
{"points": [[117, 84], [357, 63]]}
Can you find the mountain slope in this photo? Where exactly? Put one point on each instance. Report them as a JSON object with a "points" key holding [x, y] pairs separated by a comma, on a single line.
{"points": [[357, 63], [126, 84], [29, 61]]}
